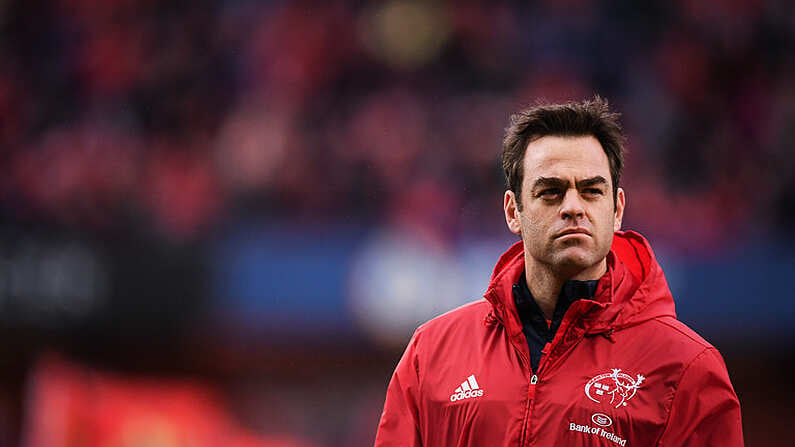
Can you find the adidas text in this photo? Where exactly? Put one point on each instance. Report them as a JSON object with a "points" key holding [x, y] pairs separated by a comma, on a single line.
{"points": [[466, 395], [469, 388]]}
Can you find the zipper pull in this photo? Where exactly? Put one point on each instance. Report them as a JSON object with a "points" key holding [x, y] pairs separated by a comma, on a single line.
{"points": [[531, 390]]}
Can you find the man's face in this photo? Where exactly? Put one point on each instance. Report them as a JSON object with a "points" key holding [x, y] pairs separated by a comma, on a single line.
{"points": [[568, 217]]}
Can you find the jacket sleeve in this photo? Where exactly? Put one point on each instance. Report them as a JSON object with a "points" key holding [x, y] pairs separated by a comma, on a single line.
{"points": [[399, 424], [705, 411]]}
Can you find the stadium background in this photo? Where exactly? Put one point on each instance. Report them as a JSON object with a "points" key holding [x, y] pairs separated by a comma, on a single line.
{"points": [[221, 220]]}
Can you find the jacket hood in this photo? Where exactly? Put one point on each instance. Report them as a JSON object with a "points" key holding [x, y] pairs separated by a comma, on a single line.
{"points": [[633, 289]]}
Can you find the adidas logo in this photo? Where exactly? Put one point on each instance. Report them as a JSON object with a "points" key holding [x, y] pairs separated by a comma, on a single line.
{"points": [[469, 388]]}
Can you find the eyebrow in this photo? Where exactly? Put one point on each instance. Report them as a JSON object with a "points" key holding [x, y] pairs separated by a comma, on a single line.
{"points": [[544, 182], [591, 181]]}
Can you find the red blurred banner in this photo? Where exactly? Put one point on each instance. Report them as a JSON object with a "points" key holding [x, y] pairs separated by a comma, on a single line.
{"points": [[72, 405]]}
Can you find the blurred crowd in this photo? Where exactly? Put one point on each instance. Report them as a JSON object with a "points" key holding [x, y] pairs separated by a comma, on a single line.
{"points": [[184, 124], [170, 117]]}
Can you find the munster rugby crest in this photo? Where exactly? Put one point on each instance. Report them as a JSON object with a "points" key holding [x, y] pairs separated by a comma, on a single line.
{"points": [[613, 388]]}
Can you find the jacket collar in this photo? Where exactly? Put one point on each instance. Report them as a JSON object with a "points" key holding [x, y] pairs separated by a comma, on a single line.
{"points": [[632, 290]]}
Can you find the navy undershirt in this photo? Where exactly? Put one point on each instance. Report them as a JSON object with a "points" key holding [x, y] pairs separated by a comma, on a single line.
{"points": [[534, 325]]}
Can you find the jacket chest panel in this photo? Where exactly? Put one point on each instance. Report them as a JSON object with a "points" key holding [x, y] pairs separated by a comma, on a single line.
{"points": [[603, 394], [482, 395]]}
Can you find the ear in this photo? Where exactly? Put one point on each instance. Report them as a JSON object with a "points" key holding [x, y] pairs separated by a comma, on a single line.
{"points": [[621, 202], [511, 207]]}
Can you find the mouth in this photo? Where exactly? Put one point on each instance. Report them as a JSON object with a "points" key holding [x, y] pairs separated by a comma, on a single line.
{"points": [[573, 231]]}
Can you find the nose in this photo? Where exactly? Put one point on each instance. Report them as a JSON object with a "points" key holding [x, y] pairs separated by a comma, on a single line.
{"points": [[571, 208]]}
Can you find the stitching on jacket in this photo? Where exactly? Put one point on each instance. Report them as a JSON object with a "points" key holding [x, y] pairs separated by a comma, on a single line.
{"points": [[676, 393], [417, 335], [700, 341], [417, 402]]}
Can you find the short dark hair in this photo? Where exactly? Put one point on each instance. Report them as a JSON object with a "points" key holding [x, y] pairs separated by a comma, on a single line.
{"points": [[573, 119]]}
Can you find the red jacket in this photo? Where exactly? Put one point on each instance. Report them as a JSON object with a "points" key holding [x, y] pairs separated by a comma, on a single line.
{"points": [[621, 371]]}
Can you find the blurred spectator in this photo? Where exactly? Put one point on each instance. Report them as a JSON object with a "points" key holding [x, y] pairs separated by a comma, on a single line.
{"points": [[313, 163], [331, 109]]}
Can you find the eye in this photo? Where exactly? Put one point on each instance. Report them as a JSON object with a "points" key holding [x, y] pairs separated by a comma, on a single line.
{"points": [[593, 192], [549, 193]]}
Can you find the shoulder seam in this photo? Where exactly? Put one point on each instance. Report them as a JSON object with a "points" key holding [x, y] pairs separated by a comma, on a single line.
{"points": [[449, 313], [701, 342], [417, 334], [676, 391]]}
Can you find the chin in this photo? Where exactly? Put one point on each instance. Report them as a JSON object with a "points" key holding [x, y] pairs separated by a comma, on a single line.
{"points": [[576, 261]]}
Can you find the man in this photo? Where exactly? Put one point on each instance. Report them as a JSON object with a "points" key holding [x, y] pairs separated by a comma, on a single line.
{"points": [[577, 342]]}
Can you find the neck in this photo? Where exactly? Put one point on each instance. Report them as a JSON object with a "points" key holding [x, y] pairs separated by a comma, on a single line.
{"points": [[545, 282]]}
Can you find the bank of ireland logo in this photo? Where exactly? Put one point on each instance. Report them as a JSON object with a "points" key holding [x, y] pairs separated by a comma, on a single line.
{"points": [[614, 388], [601, 419]]}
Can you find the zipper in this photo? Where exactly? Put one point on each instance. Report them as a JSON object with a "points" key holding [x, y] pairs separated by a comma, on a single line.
{"points": [[572, 345], [530, 396], [531, 392], [535, 377]]}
